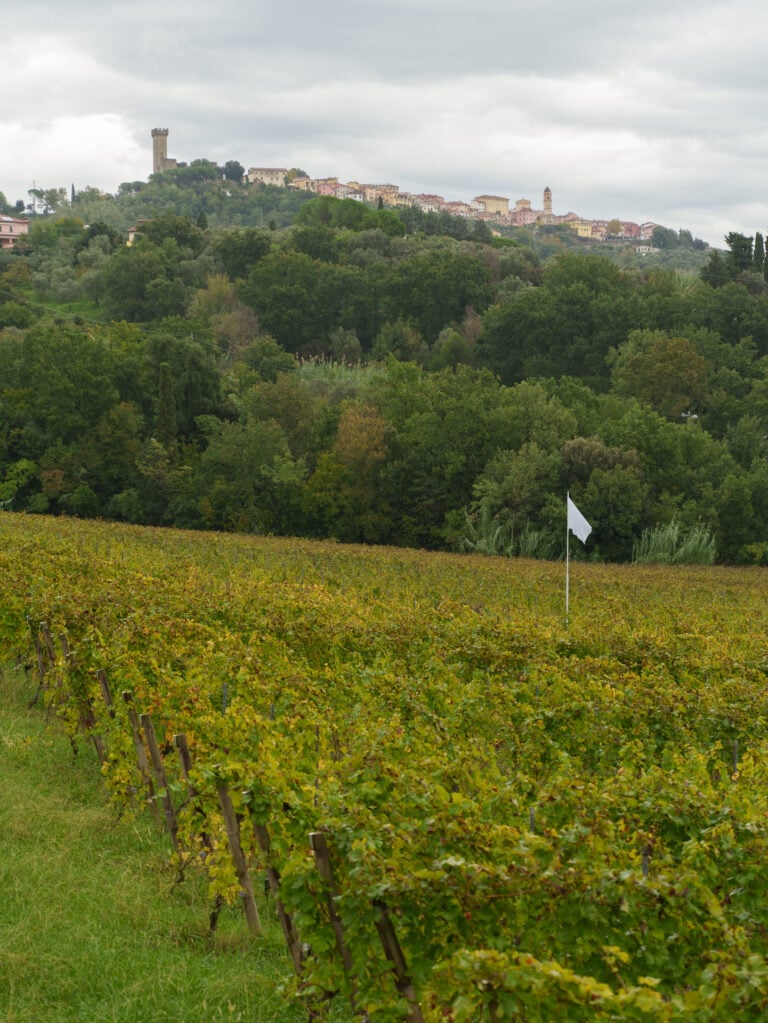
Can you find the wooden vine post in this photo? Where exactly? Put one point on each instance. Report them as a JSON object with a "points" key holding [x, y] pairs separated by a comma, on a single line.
{"points": [[319, 846], [238, 857], [185, 759], [286, 920], [384, 927], [171, 822], [394, 953], [106, 692], [48, 641], [141, 754]]}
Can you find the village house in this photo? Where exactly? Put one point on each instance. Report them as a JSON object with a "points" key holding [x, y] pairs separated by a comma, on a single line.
{"points": [[267, 176], [429, 203], [301, 184], [132, 231], [523, 215], [387, 193], [460, 209], [495, 205], [11, 228], [583, 228], [320, 186], [348, 192]]}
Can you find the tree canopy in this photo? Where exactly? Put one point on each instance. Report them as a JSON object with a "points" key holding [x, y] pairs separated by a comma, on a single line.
{"points": [[335, 369]]}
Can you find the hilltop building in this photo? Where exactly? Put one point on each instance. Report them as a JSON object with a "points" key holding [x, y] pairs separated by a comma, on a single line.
{"points": [[494, 205], [160, 160], [267, 176], [523, 215], [349, 191], [11, 228], [132, 231], [429, 203], [461, 209], [320, 186]]}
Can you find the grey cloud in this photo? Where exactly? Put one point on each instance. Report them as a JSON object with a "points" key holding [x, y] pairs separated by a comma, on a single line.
{"points": [[650, 110]]}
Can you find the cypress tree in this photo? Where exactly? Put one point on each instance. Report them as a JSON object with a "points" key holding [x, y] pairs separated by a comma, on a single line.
{"points": [[758, 253], [740, 255]]}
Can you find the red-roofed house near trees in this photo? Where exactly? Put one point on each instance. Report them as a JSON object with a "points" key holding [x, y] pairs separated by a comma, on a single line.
{"points": [[10, 229]]}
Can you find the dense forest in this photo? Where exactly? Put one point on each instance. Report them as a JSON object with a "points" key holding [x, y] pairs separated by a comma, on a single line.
{"points": [[271, 362]]}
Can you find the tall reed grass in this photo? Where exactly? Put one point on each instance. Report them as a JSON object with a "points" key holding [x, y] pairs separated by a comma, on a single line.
{"points": [[673, 544]]}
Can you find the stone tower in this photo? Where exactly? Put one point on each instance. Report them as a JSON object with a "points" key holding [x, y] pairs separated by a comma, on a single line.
{"points": [[548, 200], [160, 161]]}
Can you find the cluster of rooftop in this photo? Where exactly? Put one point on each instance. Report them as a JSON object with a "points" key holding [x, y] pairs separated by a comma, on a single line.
{"points": [[494, 208]]}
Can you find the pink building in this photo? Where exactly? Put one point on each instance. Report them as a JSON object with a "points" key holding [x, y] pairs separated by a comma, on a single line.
{"points": [[10, 229], [523, 216]]}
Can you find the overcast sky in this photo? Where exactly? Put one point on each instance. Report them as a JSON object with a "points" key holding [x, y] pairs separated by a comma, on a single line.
{"points": [[657, 112]]}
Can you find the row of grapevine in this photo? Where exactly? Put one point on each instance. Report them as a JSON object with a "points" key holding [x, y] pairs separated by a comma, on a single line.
{"points": [[522, 821]]}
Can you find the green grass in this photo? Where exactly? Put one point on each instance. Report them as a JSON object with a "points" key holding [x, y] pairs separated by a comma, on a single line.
{"points": [[93, 925]]}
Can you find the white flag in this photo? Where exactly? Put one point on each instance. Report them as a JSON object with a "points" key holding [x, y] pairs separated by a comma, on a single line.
{"points": [[577, 524]]}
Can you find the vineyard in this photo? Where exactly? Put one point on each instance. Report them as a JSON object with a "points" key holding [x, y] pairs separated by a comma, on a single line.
{"points": [[464, 809]]}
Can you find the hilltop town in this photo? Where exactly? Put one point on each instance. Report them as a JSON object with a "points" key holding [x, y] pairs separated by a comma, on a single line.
{"points": [[492, 208], [496, 209]]}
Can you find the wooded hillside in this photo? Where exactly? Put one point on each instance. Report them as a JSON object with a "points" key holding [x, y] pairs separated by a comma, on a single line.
{"points": [[348, 372]]}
